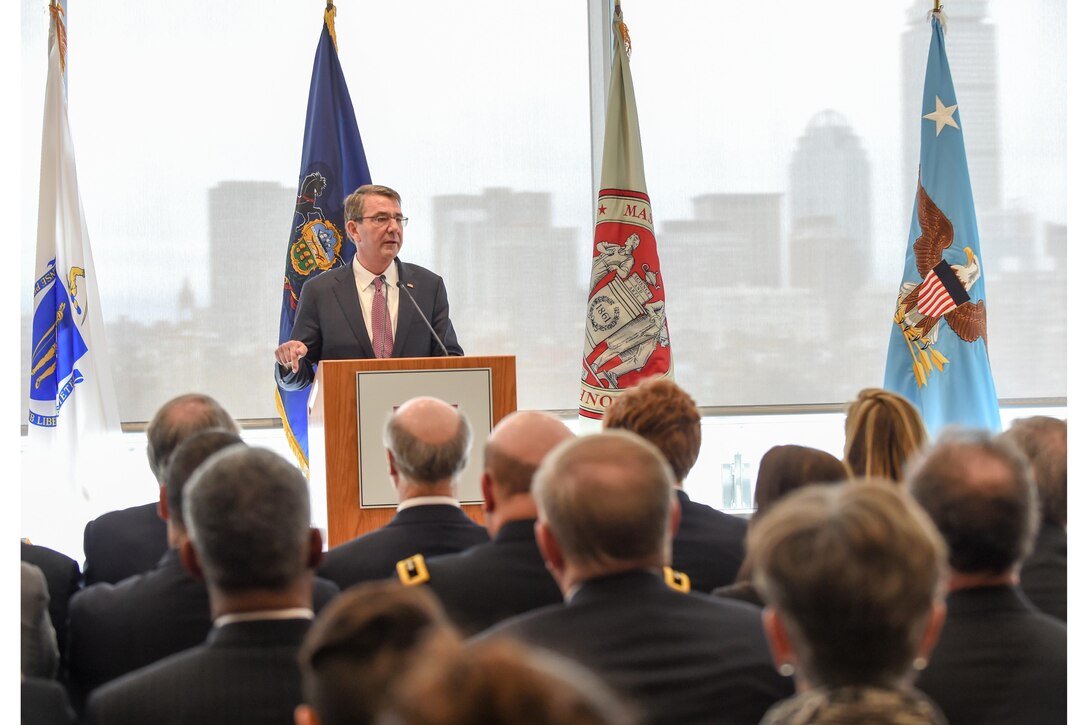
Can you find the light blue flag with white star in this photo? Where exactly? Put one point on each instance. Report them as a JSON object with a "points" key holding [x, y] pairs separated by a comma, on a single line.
{"points": [[937, 356]]}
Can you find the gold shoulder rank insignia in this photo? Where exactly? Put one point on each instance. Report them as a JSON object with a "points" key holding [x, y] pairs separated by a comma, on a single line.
{"points": [[413, 571], [677, 580]]}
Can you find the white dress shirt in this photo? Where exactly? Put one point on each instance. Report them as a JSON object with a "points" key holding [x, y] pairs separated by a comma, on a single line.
{"points": [[364, 285]]}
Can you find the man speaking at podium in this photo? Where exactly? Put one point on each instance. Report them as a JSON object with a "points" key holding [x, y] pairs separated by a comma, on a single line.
{"points": [[376, 307]]}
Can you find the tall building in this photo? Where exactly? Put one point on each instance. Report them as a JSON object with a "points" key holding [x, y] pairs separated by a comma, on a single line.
{"points": [[486, 245], [971, 42], [829, 202]]}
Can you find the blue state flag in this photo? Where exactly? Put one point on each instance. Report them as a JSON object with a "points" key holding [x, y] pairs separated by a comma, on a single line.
{"points": [[333, 165], [71, 391], [938, 353]]}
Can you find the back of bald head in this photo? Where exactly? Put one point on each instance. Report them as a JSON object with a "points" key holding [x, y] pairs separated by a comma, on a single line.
{"points": [[980, 493], [517, 446], [429, 440], [178, 419], [607, 499]]}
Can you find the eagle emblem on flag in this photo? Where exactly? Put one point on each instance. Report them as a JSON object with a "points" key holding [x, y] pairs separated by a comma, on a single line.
{"points": [[942, 293]]}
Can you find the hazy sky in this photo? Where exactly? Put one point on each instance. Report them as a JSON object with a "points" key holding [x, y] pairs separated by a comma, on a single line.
{"points": [[166, 100]]}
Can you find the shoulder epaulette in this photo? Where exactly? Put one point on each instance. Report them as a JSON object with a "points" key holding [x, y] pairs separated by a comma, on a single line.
{"points": [[413, 571], [677, 580]]}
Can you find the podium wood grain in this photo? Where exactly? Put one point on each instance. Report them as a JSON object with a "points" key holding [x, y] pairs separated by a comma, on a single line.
{"points": [[334, 433]]}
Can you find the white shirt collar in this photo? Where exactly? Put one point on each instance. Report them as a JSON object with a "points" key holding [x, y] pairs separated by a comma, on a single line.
{"points": [[428, 501], [365, 278], [264, 615]]}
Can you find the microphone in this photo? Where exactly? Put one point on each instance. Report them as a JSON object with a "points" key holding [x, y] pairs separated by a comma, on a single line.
{"points": [[404, 288]]}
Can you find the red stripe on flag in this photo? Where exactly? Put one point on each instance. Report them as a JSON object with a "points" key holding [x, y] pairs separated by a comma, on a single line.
{"points": [[933, 298]]}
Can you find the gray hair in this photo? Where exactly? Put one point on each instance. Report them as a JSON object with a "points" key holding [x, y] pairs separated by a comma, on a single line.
{"points": [[428, 462], [1044, 441], [247, 512], [178, 419]]}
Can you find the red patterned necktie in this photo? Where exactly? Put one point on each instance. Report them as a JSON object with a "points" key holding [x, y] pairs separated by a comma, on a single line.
{"points": [[380, 326]]}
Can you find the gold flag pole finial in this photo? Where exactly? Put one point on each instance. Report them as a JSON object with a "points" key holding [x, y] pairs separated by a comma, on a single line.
{"points": [[936, 6], [62, 35], [330, 23], [623, 30]]}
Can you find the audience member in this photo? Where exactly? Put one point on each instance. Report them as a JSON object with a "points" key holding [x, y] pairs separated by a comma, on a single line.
{"points": [[883, 431], [63, 579], [247, 514], [709, 545], [358, 648], [44, 702], [782, 469], [1043, 574], [607, 516], [427, 442], [503, 683], [118, 628], [121, 543], [39, 655], [999, 660], [851, 575], [506, 576]]}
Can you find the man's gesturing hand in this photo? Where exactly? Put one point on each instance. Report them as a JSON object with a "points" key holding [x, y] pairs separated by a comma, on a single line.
{"points": [[289, 353]]}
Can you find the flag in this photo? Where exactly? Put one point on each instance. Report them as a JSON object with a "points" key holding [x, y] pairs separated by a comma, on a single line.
{"points": [[333, 166], [938, 353], [72, 399], [627, 336]]}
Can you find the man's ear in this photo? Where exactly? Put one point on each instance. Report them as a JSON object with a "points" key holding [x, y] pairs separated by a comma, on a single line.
{"points": [[306, 715], [190, 560], [315, 553], [549, 547], [392, 466], [777, 638], [164, 506], [674, 517], [487, 488], [933, 628]]}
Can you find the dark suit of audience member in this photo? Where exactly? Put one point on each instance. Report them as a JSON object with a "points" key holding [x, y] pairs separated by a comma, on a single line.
{"points": [[122, 543], [709, 546], [999, 660], [38, 652], [44, 702], [607, 515], [119, 544], [1043, 575], [120, 628], [240, 500], [429, 530], [496, 580], [427, 443], [63, 578]]}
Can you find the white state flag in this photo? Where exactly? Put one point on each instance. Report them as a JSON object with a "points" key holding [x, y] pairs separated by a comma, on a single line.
{"points": [[72, 401]]}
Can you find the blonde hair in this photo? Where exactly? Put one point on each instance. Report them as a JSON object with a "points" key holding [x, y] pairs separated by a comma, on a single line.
{"points": [[883, 431]]}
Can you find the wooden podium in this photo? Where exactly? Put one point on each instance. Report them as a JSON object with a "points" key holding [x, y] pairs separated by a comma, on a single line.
{"points": [[334, 432]]}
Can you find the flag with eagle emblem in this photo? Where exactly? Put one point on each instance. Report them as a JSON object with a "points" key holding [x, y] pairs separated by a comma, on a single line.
{"points": [[333, 166], [938, 353], [627, 337]]}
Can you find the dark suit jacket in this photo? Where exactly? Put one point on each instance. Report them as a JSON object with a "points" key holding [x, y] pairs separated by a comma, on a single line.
{"points": [[709, 545], [999, 660], [121, 543], [62, 577], [330, 321], [685, 658], [118, 628], [495, 580], [44, 702], [428, 530], [1043, 577], [247, 672]]}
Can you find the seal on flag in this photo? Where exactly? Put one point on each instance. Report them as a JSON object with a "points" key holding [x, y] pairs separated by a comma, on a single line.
{"points": [[942, 293], [317, 243]]}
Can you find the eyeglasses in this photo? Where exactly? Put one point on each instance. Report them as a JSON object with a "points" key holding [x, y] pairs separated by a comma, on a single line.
{"points": [[383, 219]]}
